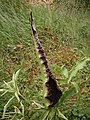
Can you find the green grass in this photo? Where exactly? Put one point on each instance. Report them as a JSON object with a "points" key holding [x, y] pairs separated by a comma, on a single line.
{"points": [[64, 32], [69, 22]]}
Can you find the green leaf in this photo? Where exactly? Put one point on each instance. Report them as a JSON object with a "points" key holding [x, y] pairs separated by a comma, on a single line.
{"points": [[22, 106], [37, 104], [77, 67], [6, 106], [8, 86], [17, 110], [2, 90], [17, 89], [17, 74], [45, 115], [61, 115], [56, 69], [17, 96], [77, 89], [76, 86], [64, 72], [62, 81], [51, 115], [67, 95], [13, 79], [4, 93]]}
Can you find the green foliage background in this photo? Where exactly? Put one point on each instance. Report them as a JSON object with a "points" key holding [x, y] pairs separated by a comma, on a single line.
{"points": [[67, 25]]}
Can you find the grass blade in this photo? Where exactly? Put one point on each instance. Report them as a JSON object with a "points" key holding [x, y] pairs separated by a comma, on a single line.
{"points": [[17, 74], [22, 108], [39, 106], [8, 86], [61, 115], [6, 106], [45, 115], [16, 95], [4, 93]]}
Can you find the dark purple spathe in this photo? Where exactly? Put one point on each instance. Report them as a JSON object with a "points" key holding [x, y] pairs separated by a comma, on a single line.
{"points": [[53, 92]]}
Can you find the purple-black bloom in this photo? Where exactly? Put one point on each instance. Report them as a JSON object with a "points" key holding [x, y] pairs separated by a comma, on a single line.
{"points": [[53, 92]]}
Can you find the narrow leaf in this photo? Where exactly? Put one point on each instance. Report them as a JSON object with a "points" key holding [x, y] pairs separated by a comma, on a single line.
{"points": [[6, 106], [17, 110], [4, 93], [61, 115], [8, 85], [14, 78], [17, 74], [51, 115], [45, 115], [40, 106], [17, 89], [16, 95], [2, 90], [22, 106]]}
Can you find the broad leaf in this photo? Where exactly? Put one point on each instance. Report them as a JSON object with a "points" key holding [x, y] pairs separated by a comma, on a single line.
{"points": [[62, 81], [67, 95], [56, 69], [64, 72], [77, 67], [77, 89], [76, 86]]}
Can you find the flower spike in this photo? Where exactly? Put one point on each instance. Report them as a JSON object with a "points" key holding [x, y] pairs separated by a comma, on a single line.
{"points": [[53, 92]]}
